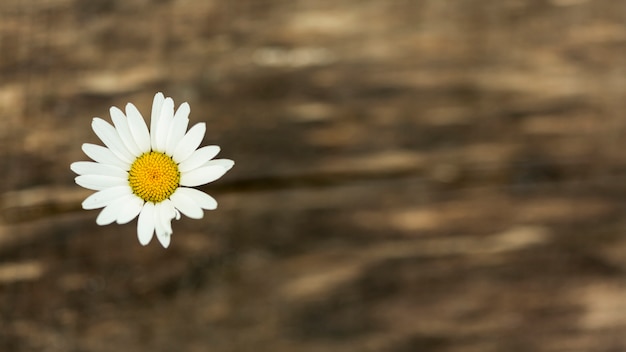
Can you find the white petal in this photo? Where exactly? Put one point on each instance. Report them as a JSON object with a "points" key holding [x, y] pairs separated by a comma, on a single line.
{"points": [[121, 125], [129, 209], [177, 128], [92, 168], [111, 139], [202, 175], [104, 156], [99, 182], [199, 158], [105, 197], [158, 225], [163, 127], [154, 117], [186, 204], [165, 240], [167, 213], [202, 199], [113, 211], [145, 224], [189, 143], [163, 214], [225, 163], [138, 127], [110, 212]]}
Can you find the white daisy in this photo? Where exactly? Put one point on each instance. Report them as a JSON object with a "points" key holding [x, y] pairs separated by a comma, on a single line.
{"points": [[148, 173]]}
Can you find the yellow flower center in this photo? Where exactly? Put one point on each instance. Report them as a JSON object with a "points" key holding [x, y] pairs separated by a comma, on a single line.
{"points": [[154, 177]]}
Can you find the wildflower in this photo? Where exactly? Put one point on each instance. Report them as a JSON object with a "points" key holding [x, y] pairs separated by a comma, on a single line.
{"points": [[149, 174]]}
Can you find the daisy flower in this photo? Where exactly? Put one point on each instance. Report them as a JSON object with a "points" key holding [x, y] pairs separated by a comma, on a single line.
{"points": [[149, 173]]}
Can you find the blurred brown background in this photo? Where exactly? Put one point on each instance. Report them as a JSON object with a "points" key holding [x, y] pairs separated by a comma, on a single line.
{"points": [[412, 175]]}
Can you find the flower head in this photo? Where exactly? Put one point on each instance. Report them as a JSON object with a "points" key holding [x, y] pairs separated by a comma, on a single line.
{"points": [[149, 173]]}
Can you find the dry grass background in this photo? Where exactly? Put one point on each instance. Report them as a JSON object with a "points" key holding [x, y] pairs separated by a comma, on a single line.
{"points": [[412, 175]]}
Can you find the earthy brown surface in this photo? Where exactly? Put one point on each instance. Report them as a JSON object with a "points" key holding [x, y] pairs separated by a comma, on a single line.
{"points": [[412, 175]]}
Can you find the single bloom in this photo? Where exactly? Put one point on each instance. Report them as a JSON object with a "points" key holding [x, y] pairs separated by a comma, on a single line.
{"points": [[149, 173]]}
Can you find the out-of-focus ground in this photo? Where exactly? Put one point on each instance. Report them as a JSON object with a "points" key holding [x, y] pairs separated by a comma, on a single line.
{"points": [[412, 175]]}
